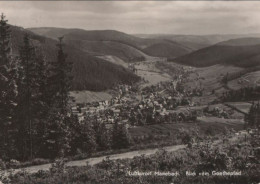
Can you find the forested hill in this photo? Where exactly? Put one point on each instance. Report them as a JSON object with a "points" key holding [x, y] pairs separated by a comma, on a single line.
{"points": [[242, 52], [89, 72], [111, 42]]}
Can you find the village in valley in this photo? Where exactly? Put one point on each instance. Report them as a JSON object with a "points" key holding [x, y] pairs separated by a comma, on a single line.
{"points": [[140, 104], [170, 100]]}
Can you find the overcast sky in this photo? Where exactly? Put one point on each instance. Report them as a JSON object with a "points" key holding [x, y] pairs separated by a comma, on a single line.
{"points": [[171, 17]]}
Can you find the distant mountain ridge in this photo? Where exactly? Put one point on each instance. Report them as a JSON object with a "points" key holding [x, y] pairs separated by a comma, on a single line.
{"points": [[241, 52], [198, 41], [241, 42], [151, 47]]}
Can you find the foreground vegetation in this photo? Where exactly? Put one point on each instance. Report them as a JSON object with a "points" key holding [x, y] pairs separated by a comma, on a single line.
{"points": [[237, 154]]}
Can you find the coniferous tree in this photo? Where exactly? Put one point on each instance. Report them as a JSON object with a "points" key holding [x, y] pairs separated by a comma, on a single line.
{"points": [[58, 134], [27, 97], [253, 117], [42, 71], [60, 80], [41, 102], [7, 92], [32, 109]]}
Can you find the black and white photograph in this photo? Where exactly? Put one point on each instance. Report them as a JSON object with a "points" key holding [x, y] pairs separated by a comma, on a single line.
{"points": [[129, 92]]}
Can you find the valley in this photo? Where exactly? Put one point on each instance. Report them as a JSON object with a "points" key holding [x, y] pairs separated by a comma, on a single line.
{"points": [[170, 97]]}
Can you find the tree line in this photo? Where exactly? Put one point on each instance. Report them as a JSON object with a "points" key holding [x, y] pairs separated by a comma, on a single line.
{"points": [[243, 94], [35, 114]]}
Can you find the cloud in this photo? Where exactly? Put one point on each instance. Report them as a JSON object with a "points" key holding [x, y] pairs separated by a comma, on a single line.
{"points": [[175, 17]]}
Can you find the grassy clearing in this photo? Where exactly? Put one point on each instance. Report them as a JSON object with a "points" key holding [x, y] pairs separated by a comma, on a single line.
{"points": [[203, 124], [161, 135], [150, 73], [90, 96], [210, 77], [220, 123]]}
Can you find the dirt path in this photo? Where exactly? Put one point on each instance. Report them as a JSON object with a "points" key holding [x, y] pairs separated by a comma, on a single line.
{"points": [[95, 160]]}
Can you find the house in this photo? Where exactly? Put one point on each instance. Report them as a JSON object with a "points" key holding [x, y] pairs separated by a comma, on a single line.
{"points": [[75, 112], [116, 111], [83, 109]]}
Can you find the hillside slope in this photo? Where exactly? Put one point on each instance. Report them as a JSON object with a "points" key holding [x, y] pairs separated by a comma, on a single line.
{"points": [[90, 73], [167, 49], [103, 48], [243, 52]]}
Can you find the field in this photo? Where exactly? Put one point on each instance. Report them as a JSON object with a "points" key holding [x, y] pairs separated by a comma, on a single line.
{"points": [[150, 73], [90, 96], [232, 112], [219, 123], [210, 77], [120, 50], [203, 124], [249, 79]]}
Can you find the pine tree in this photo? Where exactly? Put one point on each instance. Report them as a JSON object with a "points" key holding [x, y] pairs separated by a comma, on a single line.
{"points": [[41, 101], [57, 136], [253, 117], [7, 91], [32, 110], [42, 71], [60, 81], [27, 97]]}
